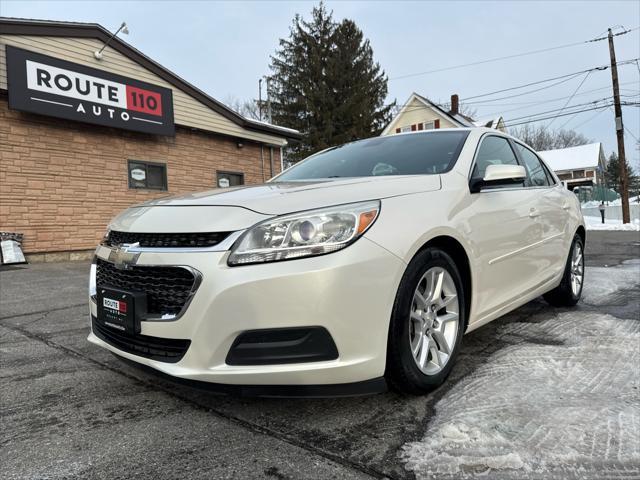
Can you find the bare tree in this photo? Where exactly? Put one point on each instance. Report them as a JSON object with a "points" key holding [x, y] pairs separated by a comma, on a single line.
{"points": [[246, 108], [468, 111], [542, 138]]}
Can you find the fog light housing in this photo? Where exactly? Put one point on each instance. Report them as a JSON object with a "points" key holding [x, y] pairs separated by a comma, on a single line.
{"points": [[276, 346]]}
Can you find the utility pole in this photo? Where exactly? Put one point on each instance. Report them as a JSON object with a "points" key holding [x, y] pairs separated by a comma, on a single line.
{"points": [[260, 99], [624, 181], [269, 100]]}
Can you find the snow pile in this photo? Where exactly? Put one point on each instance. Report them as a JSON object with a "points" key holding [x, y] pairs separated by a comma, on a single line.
{"points": [[595, 223], [617, 202], [541, 393], [614, 203]]}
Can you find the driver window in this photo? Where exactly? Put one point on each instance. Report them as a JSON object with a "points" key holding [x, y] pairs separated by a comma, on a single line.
{"points": [[493, 151]]}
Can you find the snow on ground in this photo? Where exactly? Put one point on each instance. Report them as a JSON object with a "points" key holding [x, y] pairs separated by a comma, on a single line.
{"points": [[558, 388], [618, 201], [601, 283], [595, 223], [615, 203]]}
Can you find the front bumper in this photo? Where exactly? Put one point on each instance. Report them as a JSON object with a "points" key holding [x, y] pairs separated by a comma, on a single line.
{"points": [[350, 293]]}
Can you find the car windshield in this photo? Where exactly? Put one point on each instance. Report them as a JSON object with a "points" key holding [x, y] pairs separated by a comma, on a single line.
{"points": [[412, 154]]}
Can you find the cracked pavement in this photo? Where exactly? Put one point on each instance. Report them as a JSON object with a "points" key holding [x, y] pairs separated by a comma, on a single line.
{"points": [[539, 393]]}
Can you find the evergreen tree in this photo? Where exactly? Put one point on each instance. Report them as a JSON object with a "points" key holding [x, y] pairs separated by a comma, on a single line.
{"points": [[612, 174], [326, 84]]}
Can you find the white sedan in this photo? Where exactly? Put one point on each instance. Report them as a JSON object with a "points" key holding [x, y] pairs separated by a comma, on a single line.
{"points": [[358, 268]]}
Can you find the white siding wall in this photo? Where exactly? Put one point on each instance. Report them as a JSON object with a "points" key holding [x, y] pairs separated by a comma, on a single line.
{"points": [[418, 112], [187, 111]]}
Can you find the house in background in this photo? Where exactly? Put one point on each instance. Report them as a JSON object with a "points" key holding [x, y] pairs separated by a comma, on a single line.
{"points": [[581, 166], [420, 113], [495, 122]]}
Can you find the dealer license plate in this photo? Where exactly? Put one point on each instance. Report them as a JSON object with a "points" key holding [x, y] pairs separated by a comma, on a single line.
{"points": [[117, 310]]}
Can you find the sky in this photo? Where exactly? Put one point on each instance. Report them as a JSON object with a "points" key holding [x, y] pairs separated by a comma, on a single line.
{"points": [[223, 48]]}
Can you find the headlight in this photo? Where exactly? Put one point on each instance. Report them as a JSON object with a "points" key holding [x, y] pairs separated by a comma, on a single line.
{"points": [[304, 234]]}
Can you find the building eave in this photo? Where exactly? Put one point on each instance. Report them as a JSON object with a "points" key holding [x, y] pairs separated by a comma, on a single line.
{"points": [[17, 26]]}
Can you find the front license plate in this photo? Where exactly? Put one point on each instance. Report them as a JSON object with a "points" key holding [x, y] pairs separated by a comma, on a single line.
{"points": [[117, 310]]}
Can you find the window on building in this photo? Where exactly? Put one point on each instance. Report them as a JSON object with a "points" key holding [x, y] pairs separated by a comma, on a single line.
{"points": [[151, 175], [493, 151], [578, 174], [405, 129], [229, 179], [536, 175], [429, 125]]}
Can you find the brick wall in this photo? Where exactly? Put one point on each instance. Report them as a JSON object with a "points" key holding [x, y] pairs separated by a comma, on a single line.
{"points": [[61, 182]]}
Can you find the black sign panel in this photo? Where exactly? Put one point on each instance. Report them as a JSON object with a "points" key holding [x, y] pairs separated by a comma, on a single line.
{"points": [[50, 86]]}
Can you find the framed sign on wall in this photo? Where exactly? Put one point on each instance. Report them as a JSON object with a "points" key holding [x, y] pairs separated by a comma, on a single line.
{"points": [[50, 86]]}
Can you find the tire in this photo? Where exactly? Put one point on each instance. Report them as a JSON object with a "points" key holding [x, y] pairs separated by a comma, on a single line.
{"points": [[566, 294], [416, 325]]}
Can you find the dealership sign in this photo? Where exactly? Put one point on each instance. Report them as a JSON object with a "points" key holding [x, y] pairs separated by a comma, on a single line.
{"points": [[54, 87]]}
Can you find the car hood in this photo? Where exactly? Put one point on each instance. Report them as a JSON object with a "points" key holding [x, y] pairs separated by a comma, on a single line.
{"points": [[232, 209], [279, 198]]}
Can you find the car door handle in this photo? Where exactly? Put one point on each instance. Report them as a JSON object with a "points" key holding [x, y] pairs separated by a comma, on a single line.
{"points": [[533, 213]]}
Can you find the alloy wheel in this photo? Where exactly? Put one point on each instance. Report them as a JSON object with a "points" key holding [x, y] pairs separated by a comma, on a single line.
{"points": [[577, 269], [434, 320]]}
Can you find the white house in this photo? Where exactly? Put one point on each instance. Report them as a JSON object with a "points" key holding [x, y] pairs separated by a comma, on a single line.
{"points": [[420, 113], [577, 166]]}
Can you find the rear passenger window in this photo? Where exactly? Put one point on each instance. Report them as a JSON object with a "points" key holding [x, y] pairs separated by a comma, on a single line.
{"points": [[536, 174], [493, 151]]}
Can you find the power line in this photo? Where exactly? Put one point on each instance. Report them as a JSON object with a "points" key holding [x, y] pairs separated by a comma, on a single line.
{"points": [[571, 75], [506, 57], [572, 95], [549, 100], [606, 37], [523, 86], [552, 116], [559, 110], [588, 120], [552, 100], [635, 104], [489, 102]]}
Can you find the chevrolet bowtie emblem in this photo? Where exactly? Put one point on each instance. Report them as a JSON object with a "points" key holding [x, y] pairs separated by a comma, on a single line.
{"points": [[122, 258]]}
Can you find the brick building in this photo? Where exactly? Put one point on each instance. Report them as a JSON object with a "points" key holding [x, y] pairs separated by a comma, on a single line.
{"points": [[72, 157]]}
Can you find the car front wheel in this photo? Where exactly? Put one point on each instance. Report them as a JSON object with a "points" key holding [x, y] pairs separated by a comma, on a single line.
{"points": [[427, 323]]}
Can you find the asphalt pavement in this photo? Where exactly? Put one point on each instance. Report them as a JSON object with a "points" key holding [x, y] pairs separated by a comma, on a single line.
{"points": [[539, 393]]}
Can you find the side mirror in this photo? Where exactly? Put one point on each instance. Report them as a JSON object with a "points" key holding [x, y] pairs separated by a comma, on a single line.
{"points": [[498, 175]]}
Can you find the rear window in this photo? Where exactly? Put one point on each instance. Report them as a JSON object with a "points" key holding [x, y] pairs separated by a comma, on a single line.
{"points": [[412, 154]]}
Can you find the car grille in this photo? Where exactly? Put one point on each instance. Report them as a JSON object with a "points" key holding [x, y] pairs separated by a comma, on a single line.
{"points": [[162, 349], [166, 240], [167, 288]]}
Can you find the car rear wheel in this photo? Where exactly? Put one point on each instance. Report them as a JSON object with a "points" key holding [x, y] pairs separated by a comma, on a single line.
{"points": [[569, 291], [427, 323]]}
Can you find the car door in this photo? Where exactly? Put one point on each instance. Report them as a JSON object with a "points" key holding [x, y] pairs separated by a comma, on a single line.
{"points": [[504, 230], [550, 209]]}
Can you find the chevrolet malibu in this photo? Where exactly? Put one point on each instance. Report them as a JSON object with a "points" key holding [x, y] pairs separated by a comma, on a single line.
{"points": [[360, 267]]}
